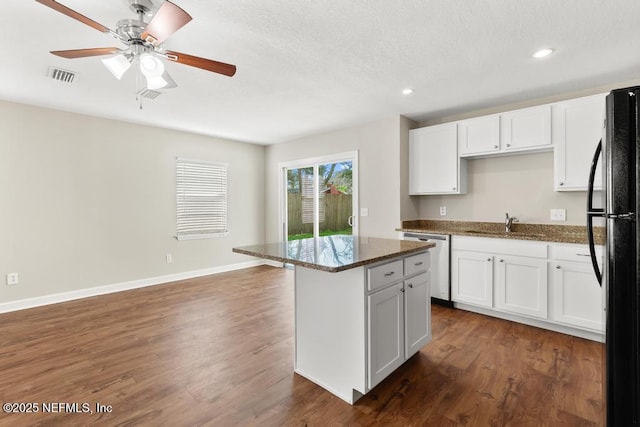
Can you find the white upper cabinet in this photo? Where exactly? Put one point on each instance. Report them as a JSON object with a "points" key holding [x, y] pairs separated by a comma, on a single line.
{"points": [[526, 129], [434, 165], [511, 132], [479, 136], [577, 128]]}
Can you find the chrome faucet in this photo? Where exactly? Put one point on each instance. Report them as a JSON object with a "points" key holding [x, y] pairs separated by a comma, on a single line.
{"points": [[508, 221]]}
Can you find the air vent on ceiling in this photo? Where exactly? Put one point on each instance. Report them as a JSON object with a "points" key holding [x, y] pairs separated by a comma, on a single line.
{"points": [[149, 94], [61, 75]]}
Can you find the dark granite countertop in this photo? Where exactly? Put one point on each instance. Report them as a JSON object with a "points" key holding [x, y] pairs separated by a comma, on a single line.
{"points": [[334, 253], [539, 232]]}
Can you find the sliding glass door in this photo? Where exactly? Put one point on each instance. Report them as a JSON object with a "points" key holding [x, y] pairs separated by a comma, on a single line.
{"points": [[320, 197]]}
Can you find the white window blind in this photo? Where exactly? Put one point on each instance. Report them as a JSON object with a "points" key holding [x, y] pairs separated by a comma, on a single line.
{"points": [[201, 193]]}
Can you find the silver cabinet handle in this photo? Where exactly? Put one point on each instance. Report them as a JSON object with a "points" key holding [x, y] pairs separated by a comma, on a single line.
{"points": [[391, 273], [508, 145], [488, 259], [454, 188], [401, 289], [557, 267], [583, 255], [501, 260], [410, 285], [561, 183], [418, 263], [495, 146]]}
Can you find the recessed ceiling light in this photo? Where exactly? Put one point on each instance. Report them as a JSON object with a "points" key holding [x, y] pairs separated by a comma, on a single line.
{"points": [[407, 91], [543, 52]]}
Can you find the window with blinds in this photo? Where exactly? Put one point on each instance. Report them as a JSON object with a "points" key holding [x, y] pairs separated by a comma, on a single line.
{"points": [[201, 193]]}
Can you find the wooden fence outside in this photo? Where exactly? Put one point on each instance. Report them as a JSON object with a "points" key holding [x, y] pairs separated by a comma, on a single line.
{"points": [[335, 210]]}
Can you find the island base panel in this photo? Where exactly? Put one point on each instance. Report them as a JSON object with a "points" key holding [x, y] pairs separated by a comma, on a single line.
{"points": [[330, 330]]}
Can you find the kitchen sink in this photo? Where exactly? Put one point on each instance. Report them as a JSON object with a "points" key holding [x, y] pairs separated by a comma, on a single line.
{"points": [[512, 233]]}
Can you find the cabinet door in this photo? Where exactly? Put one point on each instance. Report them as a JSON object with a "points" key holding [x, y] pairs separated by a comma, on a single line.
{"points": [[433, 160], [386, 332], [472, 278], [521, 285], [417, 313], [577, 128], [479, 136], [576, 296], [526, 129]]}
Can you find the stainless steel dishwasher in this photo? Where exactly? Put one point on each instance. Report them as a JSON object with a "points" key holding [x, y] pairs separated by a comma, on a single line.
{"points": [[440, 268]]}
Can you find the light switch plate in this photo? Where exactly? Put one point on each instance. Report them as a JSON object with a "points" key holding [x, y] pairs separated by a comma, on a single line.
{"points": [[558, 214]]}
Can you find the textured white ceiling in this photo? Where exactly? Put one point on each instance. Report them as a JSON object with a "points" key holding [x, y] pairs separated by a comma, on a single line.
{"points": [[305, 67]]}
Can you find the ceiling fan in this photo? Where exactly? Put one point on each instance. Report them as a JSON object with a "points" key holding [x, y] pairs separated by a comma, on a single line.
{"points": [[143, 42]]}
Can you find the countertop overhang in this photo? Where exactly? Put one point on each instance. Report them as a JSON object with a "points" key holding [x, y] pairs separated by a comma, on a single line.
{"points": [[334, 253]]}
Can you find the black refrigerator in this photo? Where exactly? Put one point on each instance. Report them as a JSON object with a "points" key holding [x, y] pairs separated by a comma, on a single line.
{"points": [[620, 153]]}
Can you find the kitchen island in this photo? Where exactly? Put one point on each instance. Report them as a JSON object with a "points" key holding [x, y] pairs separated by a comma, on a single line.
{"points": [[362, 307]]}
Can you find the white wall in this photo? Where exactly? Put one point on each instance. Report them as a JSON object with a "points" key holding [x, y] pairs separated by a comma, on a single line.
{"points": [[87, 202], [409, 206], [521, 185], [378, 144]]}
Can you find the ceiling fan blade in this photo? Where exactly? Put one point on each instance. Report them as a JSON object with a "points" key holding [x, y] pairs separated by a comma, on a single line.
{"points": [[205, 64], [75, 15], [83, 53], [167, 20]]}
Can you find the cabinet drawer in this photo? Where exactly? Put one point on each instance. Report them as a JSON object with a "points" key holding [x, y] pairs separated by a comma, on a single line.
{"points": [[384, 274], [577, 253], [417, 263]]}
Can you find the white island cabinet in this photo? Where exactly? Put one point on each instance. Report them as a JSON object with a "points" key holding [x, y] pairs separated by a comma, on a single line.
{"points": [[362, 307]]}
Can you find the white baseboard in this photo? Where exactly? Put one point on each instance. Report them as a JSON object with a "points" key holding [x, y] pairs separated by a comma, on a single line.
{"points": [[589, 335], [124, 286]]}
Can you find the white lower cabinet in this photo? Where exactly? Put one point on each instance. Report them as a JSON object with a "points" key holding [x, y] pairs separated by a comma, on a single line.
{"points": [[577, 297], [386, 332], [521, 285], [547, 285], [472, 277], [399, 320], [417, 313]]}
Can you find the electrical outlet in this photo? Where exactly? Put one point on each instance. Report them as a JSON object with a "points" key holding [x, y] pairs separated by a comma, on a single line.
{"points": [[364, 211], [12, 279], [558, 214], [169, 258], [443, 210]]}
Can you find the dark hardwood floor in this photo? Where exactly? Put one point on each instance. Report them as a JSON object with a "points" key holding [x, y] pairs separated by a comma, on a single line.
{"points": [[218, 351]]}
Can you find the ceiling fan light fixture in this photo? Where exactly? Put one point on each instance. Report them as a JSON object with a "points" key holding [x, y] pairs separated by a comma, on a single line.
{"points": [[151, 66], [118, 65], [155, 82]]}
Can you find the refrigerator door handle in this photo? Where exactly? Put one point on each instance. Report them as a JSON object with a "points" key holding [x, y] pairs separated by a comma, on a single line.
{"points": [[593, 213]]}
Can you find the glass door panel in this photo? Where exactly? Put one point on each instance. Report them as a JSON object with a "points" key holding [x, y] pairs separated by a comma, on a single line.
{"points": [[300, 203], [335, 193], [320, 197]]}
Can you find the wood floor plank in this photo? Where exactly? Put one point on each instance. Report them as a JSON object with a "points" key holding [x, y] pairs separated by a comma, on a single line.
{"points": [[218, 351]]}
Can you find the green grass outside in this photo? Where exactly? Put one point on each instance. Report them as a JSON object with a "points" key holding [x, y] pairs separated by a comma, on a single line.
{"points": [[322, 233]]}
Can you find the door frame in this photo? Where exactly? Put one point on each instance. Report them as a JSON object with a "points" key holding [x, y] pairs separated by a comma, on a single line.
{"points": [[347, 156]]}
